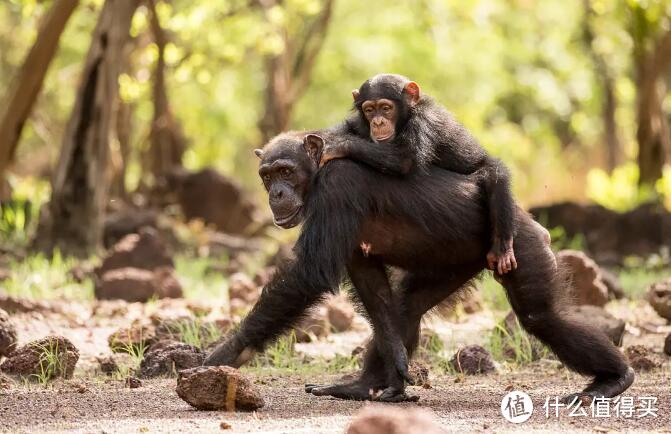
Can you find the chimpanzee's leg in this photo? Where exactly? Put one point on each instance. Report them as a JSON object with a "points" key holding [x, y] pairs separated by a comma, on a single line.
{"points": [[537, 294], [420, 294]]}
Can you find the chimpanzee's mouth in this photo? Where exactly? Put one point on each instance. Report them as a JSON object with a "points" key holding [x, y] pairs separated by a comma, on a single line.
{"points": [[383, 138], [288, 221]]}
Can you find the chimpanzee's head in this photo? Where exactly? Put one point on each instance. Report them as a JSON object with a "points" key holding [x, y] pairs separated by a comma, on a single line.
{"points": [[287, 164], [384, 102]]}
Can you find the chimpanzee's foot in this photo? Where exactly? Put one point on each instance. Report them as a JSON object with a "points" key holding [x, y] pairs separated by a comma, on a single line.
{"points": [[501, 257], [607, 388], [360, 391]]}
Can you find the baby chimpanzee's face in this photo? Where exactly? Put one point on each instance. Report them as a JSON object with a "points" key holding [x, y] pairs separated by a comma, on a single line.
{"points": [[382, 115]]}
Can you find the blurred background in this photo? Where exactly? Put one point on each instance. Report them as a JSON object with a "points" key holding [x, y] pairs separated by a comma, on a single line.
{"points": [[127, 173], [117, 114]]}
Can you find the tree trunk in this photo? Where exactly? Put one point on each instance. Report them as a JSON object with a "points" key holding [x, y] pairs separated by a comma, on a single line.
{"points": [[609, 103], [28, 83], [653, 134], [72, 220], [289, 72], [167, 141]]}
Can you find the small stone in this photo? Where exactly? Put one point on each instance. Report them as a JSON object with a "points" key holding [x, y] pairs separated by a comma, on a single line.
{"points": [[107, 365], [133, 382], [340, 313], [420, 373], [243, 287], [218, 388], [5, 382], [659, 297], [377, 419], [587, 283], [132, 337], [225, 425], [642, 358], [472, 360], [7, 335], [168, 360], [53, 356]]}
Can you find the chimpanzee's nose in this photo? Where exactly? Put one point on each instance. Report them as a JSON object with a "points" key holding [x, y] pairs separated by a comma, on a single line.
{"points": [[377, 121], [278, 194]]}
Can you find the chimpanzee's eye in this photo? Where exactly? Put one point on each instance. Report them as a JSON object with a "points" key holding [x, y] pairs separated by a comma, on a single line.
{"points": [[368, 110], [286, 173], [386, 109], [266, 178]]}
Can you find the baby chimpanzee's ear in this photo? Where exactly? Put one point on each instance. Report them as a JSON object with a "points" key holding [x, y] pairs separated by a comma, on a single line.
{"points": [[314, 145], [412, 93], [355, 94], [258, 153]]}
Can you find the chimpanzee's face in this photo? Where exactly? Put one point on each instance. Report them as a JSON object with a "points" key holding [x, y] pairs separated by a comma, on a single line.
{"points": [[382, 115], [286, 169]]}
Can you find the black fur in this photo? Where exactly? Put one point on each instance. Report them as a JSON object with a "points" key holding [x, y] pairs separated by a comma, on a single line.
{"points": [[433, 226]]}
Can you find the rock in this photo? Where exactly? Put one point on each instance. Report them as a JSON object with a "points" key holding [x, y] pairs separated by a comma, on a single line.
{"points": [[420, 373], [587, 284], [22, 305], [340, 313], [6, 383], [127, 221], [472, 360], [144, 250], [53, 356], [133, 336], [667, 345], [7, 335], [517, 344], [377, 419], [107, 364], [213, 198], [610, 236], [218, 388], [135, 284], [243, 287], [313, 326], [601, 319], [659, 297], [133, 382], [612, 282], [642, 358], [170, 359]]}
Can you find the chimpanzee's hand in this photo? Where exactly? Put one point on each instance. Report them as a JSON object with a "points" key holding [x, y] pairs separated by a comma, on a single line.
{"points": [[232, 352], [332, 152]]}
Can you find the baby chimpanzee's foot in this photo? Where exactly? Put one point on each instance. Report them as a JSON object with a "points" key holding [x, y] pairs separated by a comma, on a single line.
{"points": [[502, 257]]}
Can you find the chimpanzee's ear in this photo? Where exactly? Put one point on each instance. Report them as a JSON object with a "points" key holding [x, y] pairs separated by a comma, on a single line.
{"points": [[411, 91], [355, 94], [258, 153], [314, 145]]}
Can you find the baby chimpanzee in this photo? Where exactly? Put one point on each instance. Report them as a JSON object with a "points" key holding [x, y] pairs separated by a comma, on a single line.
{"points": [[411, 130]]}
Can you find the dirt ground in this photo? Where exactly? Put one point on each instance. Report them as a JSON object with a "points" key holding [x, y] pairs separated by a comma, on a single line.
{"points": [[93, 404]]}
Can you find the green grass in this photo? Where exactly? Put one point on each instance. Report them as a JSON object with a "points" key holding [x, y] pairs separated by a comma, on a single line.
{"points": [[195, 332], [493, 294], [198, 283], [517, 346], [635, 281], [39, 277], [52, 362]]}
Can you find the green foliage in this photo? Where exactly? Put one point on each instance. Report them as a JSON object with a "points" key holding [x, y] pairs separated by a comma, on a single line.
{"points": [[52, 362], [636, 280], [195, 332], [493, 294], [619, 191], [39, 277], [516, 346]]}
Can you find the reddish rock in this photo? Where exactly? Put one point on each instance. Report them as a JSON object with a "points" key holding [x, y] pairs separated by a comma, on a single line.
{"points": [[54, 355], [170, 359], [243, 287], [218, 388], [587, 283], [642, 358], [340, 313], [659, 297], [137, 336], [5, 382], [144, 250], [472, 360], [7, 335], [213, 198], [420, 373], [133, 382], [134, 284], [374, 419]]}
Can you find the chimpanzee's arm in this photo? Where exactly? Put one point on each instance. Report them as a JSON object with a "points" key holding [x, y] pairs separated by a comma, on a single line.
{"points": [[328, 238]]}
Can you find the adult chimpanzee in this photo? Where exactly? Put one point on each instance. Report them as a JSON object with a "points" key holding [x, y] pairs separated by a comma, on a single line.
{"points": [[419, 132], [431, 225]]}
